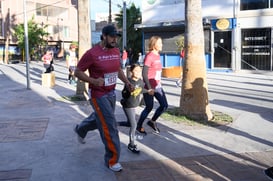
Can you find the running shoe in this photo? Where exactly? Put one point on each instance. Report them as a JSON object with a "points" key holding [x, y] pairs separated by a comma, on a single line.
{"points": [[79, 138], [141, 130], [177, 84], [269, 173], [116, 167], [152, 124], [133, 148]]}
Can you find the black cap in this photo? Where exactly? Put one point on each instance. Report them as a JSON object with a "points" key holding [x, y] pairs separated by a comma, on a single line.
{"points": [[110, 30]]}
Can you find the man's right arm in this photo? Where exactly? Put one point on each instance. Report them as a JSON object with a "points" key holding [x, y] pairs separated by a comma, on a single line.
{"points": [[84, 77]]}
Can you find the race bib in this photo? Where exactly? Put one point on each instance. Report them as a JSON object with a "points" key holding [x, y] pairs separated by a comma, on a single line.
{"points": [[158, 75], [110, 78]]}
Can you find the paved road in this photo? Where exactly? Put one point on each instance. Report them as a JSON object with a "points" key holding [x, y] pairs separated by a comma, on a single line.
{"points": [[37, 142]]}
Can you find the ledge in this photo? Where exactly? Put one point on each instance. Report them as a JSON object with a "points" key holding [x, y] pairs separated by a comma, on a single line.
{"points": [[172, 72]]}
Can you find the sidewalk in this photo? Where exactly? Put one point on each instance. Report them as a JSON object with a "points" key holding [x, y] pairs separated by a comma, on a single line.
{"points": [[37, 142]]}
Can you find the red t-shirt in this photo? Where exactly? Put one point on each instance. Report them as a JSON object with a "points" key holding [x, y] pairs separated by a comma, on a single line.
{"points": [[103, 63], [182, 54], [155, 68], [124, 55]]}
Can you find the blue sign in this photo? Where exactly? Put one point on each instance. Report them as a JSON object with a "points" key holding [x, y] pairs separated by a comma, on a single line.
{"points": [[223, 24]]}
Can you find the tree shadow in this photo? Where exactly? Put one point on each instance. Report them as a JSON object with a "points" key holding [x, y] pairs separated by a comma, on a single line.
{"points": [[188, 157], [200, 158], [265, 112]]}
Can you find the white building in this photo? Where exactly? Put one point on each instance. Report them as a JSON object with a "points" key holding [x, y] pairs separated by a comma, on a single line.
{"points": [[238, 33]]}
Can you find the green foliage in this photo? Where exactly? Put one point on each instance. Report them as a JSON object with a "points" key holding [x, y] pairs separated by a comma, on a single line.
{"points": [[36, 35], [180, 43], [134, 38], [73, 98], [173, 114]]}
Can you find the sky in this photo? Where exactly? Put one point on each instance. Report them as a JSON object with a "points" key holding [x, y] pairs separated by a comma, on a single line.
{"points": [[101, 6]]}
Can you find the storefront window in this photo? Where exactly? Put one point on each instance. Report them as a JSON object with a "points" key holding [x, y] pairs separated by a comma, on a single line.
{"points": [[255, 4], [168, 38], [256, 44]]}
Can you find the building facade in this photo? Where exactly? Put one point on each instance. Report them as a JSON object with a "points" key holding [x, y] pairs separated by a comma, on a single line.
{"points": [[238, 33], [59, 16]]}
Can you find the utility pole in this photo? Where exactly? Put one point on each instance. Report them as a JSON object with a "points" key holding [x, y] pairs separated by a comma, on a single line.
{"points": [[84, 37], [110, 13], [26, 45], [7, 39], [124, 26], [63, 35], [63, 39]]}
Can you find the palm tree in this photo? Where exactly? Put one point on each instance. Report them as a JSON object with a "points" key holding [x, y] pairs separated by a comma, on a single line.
{"points": [[84, 41], [194, 101], [134, 40]]}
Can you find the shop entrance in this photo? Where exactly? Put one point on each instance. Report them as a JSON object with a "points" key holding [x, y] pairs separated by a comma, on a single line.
{"points": [[222, 49]]}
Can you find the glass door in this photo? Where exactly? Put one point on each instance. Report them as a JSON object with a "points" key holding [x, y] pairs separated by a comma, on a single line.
{"points": [[222, 49]]}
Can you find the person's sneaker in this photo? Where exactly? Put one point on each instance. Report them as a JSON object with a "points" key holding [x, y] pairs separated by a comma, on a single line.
{"points": [[73, 82], [152, 124], [177, 84], [133, 148], [138, 137], [116, 167], [269, 172], [79, 138], [125, 123], [141, 130]]}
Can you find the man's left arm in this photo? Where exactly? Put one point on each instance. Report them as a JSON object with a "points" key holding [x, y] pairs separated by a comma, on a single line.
{"points": [[124, 79]]}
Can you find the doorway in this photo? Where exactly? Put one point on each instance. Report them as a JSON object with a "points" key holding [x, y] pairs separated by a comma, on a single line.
{"points": [[222, 49]]}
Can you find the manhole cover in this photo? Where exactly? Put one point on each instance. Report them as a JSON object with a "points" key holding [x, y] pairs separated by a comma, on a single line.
{"points": [[23, 129], [15, 175]]}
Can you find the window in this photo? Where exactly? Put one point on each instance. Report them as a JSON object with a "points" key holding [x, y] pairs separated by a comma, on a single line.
{"points": [[168, 39], [255, 4], [256, 45], [50, 11], [61, 31]]}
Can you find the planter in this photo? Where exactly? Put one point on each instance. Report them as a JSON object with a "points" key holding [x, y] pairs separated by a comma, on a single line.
{"points": [[172, 72]]}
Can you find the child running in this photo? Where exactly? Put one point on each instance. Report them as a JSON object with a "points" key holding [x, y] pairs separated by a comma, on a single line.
{"points": [[131, 100]]}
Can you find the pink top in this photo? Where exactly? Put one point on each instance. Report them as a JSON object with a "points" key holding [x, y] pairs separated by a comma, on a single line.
{"points": [[155, 68], [47, 58]]}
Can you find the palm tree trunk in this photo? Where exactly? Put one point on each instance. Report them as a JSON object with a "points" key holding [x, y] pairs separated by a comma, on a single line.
{"points": [[194, 101], [84, 34]]}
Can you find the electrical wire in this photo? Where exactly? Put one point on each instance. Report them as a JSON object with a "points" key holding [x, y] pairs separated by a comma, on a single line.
{"points": [[47, 5]]}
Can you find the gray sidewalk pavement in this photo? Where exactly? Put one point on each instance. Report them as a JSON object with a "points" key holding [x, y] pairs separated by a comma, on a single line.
{"points": [[37, 142]]}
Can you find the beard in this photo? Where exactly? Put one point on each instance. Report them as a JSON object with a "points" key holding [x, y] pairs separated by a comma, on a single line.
{"points": [[110, 45]]}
